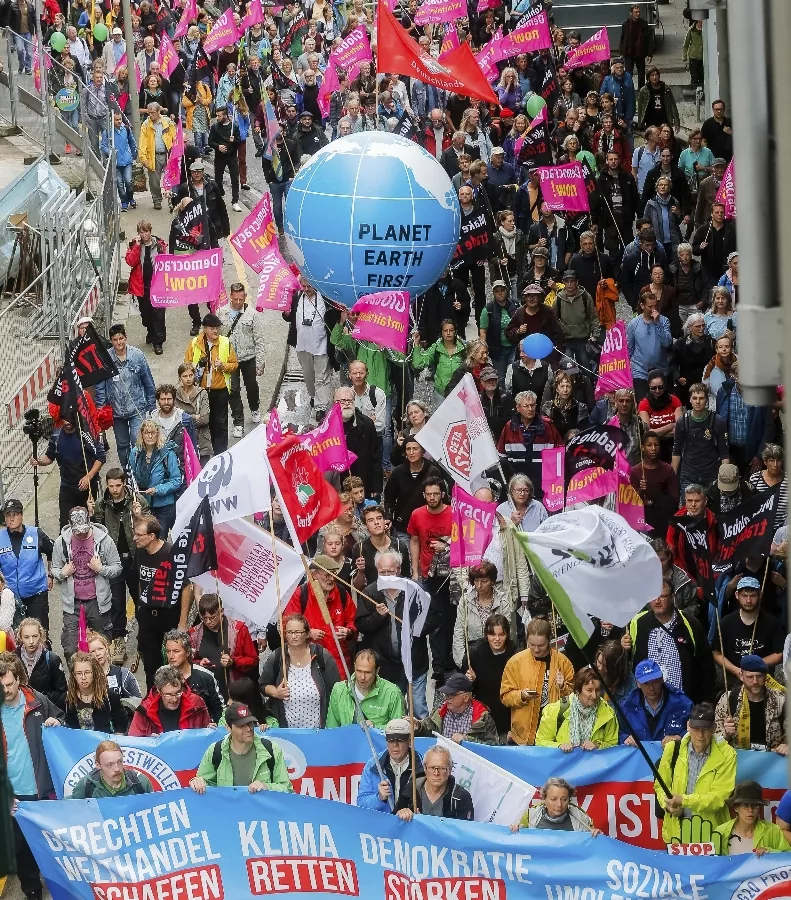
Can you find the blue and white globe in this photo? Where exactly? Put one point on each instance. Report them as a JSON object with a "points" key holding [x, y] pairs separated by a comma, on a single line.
{"points": [[371, 212]]}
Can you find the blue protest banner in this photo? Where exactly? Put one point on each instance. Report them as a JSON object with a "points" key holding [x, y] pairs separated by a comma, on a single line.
{"points": [[232, 844], [614, 786]]}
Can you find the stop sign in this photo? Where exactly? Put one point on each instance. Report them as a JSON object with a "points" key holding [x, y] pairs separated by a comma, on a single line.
{"points": [[457, 449]]}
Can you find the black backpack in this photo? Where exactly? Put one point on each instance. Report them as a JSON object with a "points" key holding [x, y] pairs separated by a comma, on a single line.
{"points": [[216, 756], [132, 779]]}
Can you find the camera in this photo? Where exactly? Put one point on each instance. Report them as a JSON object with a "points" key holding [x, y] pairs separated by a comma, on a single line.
{"points": [[33, 426]]}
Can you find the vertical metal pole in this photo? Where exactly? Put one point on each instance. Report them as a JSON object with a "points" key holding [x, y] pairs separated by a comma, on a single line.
{"points": [[129, 37], [86, 138], [42, 68], [11, 78]]}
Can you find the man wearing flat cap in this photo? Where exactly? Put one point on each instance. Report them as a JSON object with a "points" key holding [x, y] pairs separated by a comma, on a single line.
{"points": [[309, 136], [750, 715], [700, 771], [214, 360], [460, 717], [396, 765]]}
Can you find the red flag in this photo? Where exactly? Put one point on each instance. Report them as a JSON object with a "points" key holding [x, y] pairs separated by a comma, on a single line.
{"points": [[309, 501], [398, 52]]}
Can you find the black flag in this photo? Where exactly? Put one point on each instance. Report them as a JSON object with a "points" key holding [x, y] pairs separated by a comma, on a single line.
{"points": [[299, 21], [92, 361], [747, 530], [535, 149], [593, 448], [193, 553], [406, 127]]}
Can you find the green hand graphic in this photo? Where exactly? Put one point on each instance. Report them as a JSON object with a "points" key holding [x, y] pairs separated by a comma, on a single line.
{"points": [[699, 831]]}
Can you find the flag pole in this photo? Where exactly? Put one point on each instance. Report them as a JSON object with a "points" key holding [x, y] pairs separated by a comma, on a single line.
{"points": [[413, 761], [346, 584], [284, 645], [755, 623], [722, 648]]}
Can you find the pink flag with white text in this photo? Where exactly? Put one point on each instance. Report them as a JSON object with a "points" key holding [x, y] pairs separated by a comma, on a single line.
{"points": [[628, 502], [223, 33], [327, 443], [191, 459], [277, 283], [533, 35], [615, 370], [483, 5], [449, 42], [726, 193], [435, 11], [552, 462], [563, 187], [189, 15], [167, 57], [181, 280], [274, 430], [351, 51], [383, 319], [472, 522], [256, 234], [595, 49]]}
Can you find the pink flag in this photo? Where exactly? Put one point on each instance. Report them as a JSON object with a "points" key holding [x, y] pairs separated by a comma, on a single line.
{"points": [[329, 85], [168, 58], [433, 11], [595, 49], [327, 443], [256, 234], [483, 5], [254, 16], [615, 370], [726, 193], [628, 502], [171, 176], [533, 35], [274, 430], [223, 33], [352, 50], [383, 319], [590, 484], [472, 521], [277, 284], [82, 631], [487, 56], [552, 470], [181, 280], [450, 42], [189, 15], [539, 120], [563, 187], [36, 66], [191, 460]]}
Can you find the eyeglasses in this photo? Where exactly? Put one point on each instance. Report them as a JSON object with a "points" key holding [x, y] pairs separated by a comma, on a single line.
{"points": [[396, 740], [437, 770], [170, 695], [346, 402], [295, 633], [655, 388]]}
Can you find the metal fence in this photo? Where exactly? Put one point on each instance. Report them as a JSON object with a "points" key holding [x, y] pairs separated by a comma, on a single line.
{"points": [[587, 17], [79, 266]]}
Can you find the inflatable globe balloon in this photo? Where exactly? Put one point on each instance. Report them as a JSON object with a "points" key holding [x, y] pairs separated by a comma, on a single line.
{"points": [[537, 346], [534, 105], [57, 41], [100, 31], [371, 212]]}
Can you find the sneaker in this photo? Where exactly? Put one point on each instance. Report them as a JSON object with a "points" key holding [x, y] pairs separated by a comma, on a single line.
{"points": [[118, 651], [158, 349], [132, 204], [195, 331], [67, 148], [124, 207], [157, 205], [236, 206], [238, 431], [245, 187], [256, 416]]}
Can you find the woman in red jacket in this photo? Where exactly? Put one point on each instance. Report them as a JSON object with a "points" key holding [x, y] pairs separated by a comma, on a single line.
{"points": [[140, 257], [169, 706]]}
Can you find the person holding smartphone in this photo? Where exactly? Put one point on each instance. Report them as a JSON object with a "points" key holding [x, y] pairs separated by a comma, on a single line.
{"points": [[533, 679]]}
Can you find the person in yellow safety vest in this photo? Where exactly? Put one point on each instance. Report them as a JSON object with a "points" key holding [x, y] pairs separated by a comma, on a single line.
{"points": [[214, 359], [700, 771]]}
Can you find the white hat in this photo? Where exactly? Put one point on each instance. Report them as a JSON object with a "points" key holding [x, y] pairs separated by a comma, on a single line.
{"points": [[116, 30]]}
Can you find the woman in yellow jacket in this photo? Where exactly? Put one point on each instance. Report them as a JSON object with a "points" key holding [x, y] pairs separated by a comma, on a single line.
{"points": [[586, 720], [749, 832], [147, 154], [198, 106], [523, 680]]}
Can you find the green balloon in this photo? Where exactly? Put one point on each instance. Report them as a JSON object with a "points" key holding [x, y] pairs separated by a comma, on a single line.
{"points": [[100, 31], [534, 105], [57, 41]]}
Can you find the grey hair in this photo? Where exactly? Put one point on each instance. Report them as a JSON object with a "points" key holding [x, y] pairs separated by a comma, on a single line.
{"points": [[381, 554], [588, 234], [684, 246], [438, 748], [772, 451], [524, 395], [168, 675], [694, 488], [460, 134], [180, 637], [624, 392], [570, 137], [345, 119], [520, 480], [558, 783], [153, 107], [693, 319], [473, 347]]}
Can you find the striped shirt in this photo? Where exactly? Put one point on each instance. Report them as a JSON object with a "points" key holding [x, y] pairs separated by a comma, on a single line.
{"points": [[757, 481]]}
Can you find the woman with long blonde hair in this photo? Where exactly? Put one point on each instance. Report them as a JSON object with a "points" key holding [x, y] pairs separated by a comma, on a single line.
{"points": [[154, 463], [90, 705]]}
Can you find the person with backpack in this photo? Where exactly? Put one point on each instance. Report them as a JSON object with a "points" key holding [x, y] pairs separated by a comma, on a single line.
{"points": [[174, 422], [495, 318], [242, 758], [156, 469], [169, 706], [125, 154], [578, 317], [303, 700], [700, 442], [110, 778]]}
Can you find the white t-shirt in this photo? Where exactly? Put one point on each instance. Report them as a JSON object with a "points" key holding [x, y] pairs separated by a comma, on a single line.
{"points": [[311, 330]]}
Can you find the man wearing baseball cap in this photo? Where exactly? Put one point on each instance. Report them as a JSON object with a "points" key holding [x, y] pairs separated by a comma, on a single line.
{"points": [[535, 317], [22, 551], [113, 51], [460, 718], [750, 715], [748, 630], [729, 491], [396, 765], [700, 771], [242, 758], [495, 318], [656, 711]]}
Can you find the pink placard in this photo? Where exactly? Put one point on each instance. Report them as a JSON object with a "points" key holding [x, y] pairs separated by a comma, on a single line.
{"points": [[552, 470], [277, 284], [590, 484], [256, 234], [167, 56], [527, 38], [383, 319], [472, 522], [352, 50], [435, 11], [595, 49], [726, 193], [563, 187], [192, 278], [223, 33], [628, 502], [615, 370], [327, 443]]}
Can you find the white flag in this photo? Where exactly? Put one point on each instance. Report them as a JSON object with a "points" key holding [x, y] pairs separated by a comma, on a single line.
{"points": [[458, 436], [246, 571], [497, 795], [237, 483], [413, 618], [592, 563]]}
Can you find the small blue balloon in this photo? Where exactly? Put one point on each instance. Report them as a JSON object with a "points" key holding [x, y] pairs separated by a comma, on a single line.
{"points": [[537, 346]]}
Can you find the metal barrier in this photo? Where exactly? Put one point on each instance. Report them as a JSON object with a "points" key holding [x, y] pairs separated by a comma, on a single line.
{"points": [[588, 17], [80, 269]]}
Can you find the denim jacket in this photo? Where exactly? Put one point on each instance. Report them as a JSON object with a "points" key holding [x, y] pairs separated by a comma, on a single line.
{"points": [[125, 146], [131, 392]]}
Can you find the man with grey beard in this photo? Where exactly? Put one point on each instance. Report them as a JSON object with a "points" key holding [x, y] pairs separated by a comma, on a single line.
{"points": [[361, 439]]}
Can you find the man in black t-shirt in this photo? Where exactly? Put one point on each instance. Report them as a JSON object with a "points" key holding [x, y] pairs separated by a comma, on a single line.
{"points": [[156, 614], [748, 631]]}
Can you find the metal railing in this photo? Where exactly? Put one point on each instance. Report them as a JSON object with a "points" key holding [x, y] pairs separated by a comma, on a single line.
{"points": [[78, 262]]}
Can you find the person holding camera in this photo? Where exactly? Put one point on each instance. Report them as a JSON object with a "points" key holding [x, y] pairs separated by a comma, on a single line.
{"points": [[22, 552]]}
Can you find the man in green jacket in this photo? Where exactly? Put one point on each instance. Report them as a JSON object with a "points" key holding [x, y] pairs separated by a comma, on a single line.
{"points": [[380, 700], [110, 778], [242, 758]]}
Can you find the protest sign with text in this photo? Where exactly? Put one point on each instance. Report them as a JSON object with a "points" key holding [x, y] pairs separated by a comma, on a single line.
{"points": [[190, 278]]}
